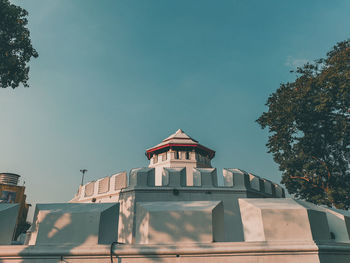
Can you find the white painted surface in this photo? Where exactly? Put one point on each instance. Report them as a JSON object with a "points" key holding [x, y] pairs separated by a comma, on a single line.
{"points": [[277, 219], [68, 223], [179, 222]]}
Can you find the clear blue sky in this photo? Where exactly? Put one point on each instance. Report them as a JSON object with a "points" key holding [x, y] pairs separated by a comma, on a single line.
{"points": [[116, 77]]}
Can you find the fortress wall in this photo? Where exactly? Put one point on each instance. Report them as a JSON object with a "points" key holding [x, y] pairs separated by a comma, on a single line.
{"points": [[235, 179]]}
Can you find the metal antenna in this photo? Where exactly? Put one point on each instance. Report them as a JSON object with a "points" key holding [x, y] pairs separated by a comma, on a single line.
{"points": [[83, 171]]}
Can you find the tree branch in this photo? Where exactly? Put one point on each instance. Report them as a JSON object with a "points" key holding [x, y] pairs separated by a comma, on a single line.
{"points": [[328, 172]]}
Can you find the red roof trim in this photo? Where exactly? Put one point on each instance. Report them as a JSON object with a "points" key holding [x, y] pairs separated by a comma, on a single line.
{"points": [[150, 151]]}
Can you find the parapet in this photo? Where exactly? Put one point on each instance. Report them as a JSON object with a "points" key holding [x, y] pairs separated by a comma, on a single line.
{"points": [[179, 222], [272, 219], [74, 224], [176, 177], [235, 179], [338, 221], [240, 179], [106, 186], [285, 219]]}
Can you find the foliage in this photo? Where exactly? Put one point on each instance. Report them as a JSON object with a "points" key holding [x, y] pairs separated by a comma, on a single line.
{"points": [[15, 46], [309, 125]]}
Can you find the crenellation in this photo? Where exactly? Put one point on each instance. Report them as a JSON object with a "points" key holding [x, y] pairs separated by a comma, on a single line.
{"points": [[174, 177], [120, 181], [268, 187], [96, 186], [177, 177], [236, 178], [107, 185], [103, 185], [256, 183], [89, 189], [205, 177], [240, 179], [228, 178], [142, 177], [279, 191]]}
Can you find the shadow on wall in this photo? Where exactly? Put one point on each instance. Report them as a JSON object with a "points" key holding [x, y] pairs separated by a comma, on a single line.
{"points": [[60, 231], [171, 223], [179, 222], [68, 227], [126, 235], [174, 224], [53, 237]]}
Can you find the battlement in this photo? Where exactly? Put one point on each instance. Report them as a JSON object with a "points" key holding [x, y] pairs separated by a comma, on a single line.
{"points": [[203, 178], [107, 186]]}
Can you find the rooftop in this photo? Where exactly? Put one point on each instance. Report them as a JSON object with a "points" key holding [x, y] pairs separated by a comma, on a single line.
{"points": [[179, 139]]}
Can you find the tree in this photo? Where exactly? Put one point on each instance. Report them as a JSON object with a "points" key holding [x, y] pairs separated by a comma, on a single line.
{"points": [[15, 46], [309, 125]]}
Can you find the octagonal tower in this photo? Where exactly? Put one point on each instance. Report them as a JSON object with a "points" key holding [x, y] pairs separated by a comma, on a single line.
{"points": [[179, 150]]}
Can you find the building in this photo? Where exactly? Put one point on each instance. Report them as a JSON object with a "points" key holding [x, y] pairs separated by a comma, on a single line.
{"points": [[175, 211], [12, 193], [179, 150], [178, 154]]}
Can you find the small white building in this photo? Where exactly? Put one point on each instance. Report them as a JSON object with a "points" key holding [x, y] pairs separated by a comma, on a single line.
{"points": [[179, 150]]}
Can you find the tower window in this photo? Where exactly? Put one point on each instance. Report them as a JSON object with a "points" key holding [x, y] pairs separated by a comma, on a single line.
{"points": [[177, 155], [187, 155]]}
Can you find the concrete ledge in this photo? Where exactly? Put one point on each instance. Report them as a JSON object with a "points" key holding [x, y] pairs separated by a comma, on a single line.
{"points": [[338, 221], [273, 219], [223, 252], [167, 249], [73, 223], [179, 222]]}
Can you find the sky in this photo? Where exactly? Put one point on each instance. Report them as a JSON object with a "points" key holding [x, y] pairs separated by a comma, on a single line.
{"points": [[114, 78]]}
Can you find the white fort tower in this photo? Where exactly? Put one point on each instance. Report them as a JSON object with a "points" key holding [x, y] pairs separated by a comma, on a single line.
{"points": [[174, 211], [179, 150]]}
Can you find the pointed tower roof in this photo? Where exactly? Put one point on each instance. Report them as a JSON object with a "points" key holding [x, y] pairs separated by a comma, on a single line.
{"points": [[179, 139]]}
